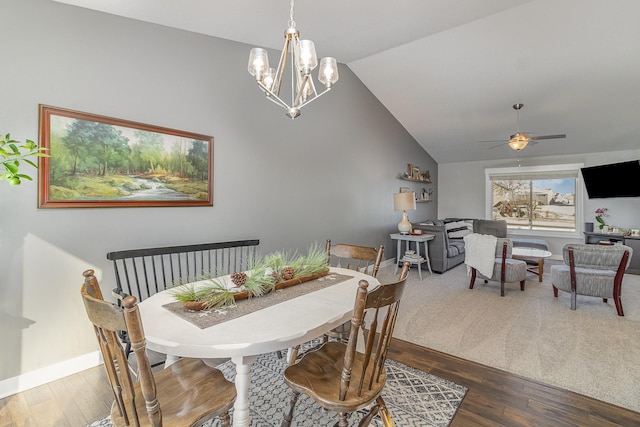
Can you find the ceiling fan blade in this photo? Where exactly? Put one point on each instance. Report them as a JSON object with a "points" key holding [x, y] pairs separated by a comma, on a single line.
{"points": [[496, 140], [499, 145], [548, 137]]}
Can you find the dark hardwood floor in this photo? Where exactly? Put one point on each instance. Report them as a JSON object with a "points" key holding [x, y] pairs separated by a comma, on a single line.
{"points": [[499, 398], [495, 398]]}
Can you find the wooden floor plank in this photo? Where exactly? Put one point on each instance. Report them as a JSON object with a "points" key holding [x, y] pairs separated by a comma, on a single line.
{"points": [[495, 398], [500, 399]]}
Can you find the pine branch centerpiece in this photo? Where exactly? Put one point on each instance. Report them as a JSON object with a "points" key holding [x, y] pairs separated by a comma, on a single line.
{"points": [[275, 271]]}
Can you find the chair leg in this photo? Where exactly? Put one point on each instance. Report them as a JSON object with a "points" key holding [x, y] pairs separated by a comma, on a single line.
{"points": [[574, 297], [366, 420], [385, 416], [555, 292], [473, 278], [225, 420], [292, 355], [522, 285], [288, 416], [618, 302], [502, 288], [344, 419]]}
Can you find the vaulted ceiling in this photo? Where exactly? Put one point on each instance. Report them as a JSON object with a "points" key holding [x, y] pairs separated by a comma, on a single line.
{"points": [[451, 70]]}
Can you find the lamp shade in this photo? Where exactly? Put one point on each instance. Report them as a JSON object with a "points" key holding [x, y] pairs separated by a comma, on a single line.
{"points": [[404, 202]]}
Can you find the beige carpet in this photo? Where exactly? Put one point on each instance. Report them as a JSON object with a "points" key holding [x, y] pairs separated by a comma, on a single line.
{"points": [[591, 350]]}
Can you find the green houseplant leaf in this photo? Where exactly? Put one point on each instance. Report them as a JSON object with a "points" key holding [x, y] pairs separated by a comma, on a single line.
{"points": [[12, 153]]}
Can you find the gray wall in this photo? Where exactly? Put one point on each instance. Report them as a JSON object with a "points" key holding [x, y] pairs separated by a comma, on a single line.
{"points": [[461, 191], [330, 173]]}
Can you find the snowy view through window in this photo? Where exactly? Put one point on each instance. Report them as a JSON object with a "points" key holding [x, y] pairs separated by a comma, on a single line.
{"points": [[535, 204]]}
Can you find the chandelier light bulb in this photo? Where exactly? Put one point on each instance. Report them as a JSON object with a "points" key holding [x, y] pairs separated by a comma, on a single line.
{"points": [[328, 72], [269, 78], [307, 58], [258, 62]]}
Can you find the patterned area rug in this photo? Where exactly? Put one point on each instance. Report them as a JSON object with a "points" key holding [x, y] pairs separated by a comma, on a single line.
{"points": [[414, 398]]}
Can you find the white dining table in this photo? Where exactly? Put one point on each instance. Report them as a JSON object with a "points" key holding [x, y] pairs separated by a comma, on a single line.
{"points": [[280, 326]]}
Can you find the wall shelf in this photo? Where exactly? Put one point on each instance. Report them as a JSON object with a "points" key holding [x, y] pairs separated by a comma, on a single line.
{"points": [[414, 180]]}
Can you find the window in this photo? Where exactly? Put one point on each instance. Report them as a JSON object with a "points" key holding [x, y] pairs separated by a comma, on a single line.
{"points": [[538, 198]]}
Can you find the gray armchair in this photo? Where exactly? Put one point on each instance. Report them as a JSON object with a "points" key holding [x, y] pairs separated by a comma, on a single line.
{"points": [[592, 270], [505, 268]]}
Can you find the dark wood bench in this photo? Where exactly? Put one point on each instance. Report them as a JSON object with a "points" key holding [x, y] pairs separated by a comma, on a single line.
{"points": [[144, 272]]}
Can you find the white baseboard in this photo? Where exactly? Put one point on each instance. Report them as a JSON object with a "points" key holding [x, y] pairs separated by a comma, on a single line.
{"points": [[50, 373]]}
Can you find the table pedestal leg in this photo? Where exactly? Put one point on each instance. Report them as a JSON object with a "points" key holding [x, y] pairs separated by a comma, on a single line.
{"points": [[170, 360], [243, 381]]}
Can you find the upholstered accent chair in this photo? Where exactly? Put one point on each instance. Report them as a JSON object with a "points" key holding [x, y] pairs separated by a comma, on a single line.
{"points": [[505, 268], [592, 270]]}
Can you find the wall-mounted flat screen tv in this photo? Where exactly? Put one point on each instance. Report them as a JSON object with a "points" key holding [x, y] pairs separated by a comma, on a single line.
{"points": [[612, 180]]}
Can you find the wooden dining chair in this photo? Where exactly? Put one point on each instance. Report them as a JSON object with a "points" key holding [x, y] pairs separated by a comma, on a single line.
{"points": [[344, 380], [186, 393], [359, 258]]}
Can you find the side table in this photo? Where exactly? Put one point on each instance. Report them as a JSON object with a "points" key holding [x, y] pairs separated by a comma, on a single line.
{"points": [[532, 254], [417, 239]]}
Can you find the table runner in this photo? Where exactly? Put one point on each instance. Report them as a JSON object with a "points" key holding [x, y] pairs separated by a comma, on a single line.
{"points": [[206, 318]]}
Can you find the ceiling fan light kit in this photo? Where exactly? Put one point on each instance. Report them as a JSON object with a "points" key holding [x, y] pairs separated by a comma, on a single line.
{"points": [[520, 140], [303, 61]]}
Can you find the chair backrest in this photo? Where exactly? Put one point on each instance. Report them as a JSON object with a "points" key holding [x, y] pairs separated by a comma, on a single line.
{"points": [[597, 257], [496, 228], [500, 247], [359, 258], [380, 306], [144, 272], [108, 319]]}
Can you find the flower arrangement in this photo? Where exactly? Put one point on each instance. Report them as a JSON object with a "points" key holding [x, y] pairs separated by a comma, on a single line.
{"points": [[263, 276], [601, 213]]}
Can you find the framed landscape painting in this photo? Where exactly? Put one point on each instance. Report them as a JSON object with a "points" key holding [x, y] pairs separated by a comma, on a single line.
{"points": [[98, 162]]}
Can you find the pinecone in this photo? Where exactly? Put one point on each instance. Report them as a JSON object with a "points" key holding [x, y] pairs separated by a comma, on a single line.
{"points": [[238, 278], [276, 277], [287, 273]]}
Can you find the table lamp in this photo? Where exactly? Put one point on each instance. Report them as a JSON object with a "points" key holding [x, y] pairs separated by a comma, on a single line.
{"points": [[404, 202]]}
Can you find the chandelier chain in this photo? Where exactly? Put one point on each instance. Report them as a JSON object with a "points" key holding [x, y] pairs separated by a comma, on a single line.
{"points": [[291, 23]]}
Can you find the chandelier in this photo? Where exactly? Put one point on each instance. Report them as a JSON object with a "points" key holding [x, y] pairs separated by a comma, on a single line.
{"points": [[303, 62]]}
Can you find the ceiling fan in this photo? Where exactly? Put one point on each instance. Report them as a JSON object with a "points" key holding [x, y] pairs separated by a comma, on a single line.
{"points": [[519, 140]]}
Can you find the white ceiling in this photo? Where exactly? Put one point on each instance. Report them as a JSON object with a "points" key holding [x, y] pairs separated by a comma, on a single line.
{"points": [[450, 70]]}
